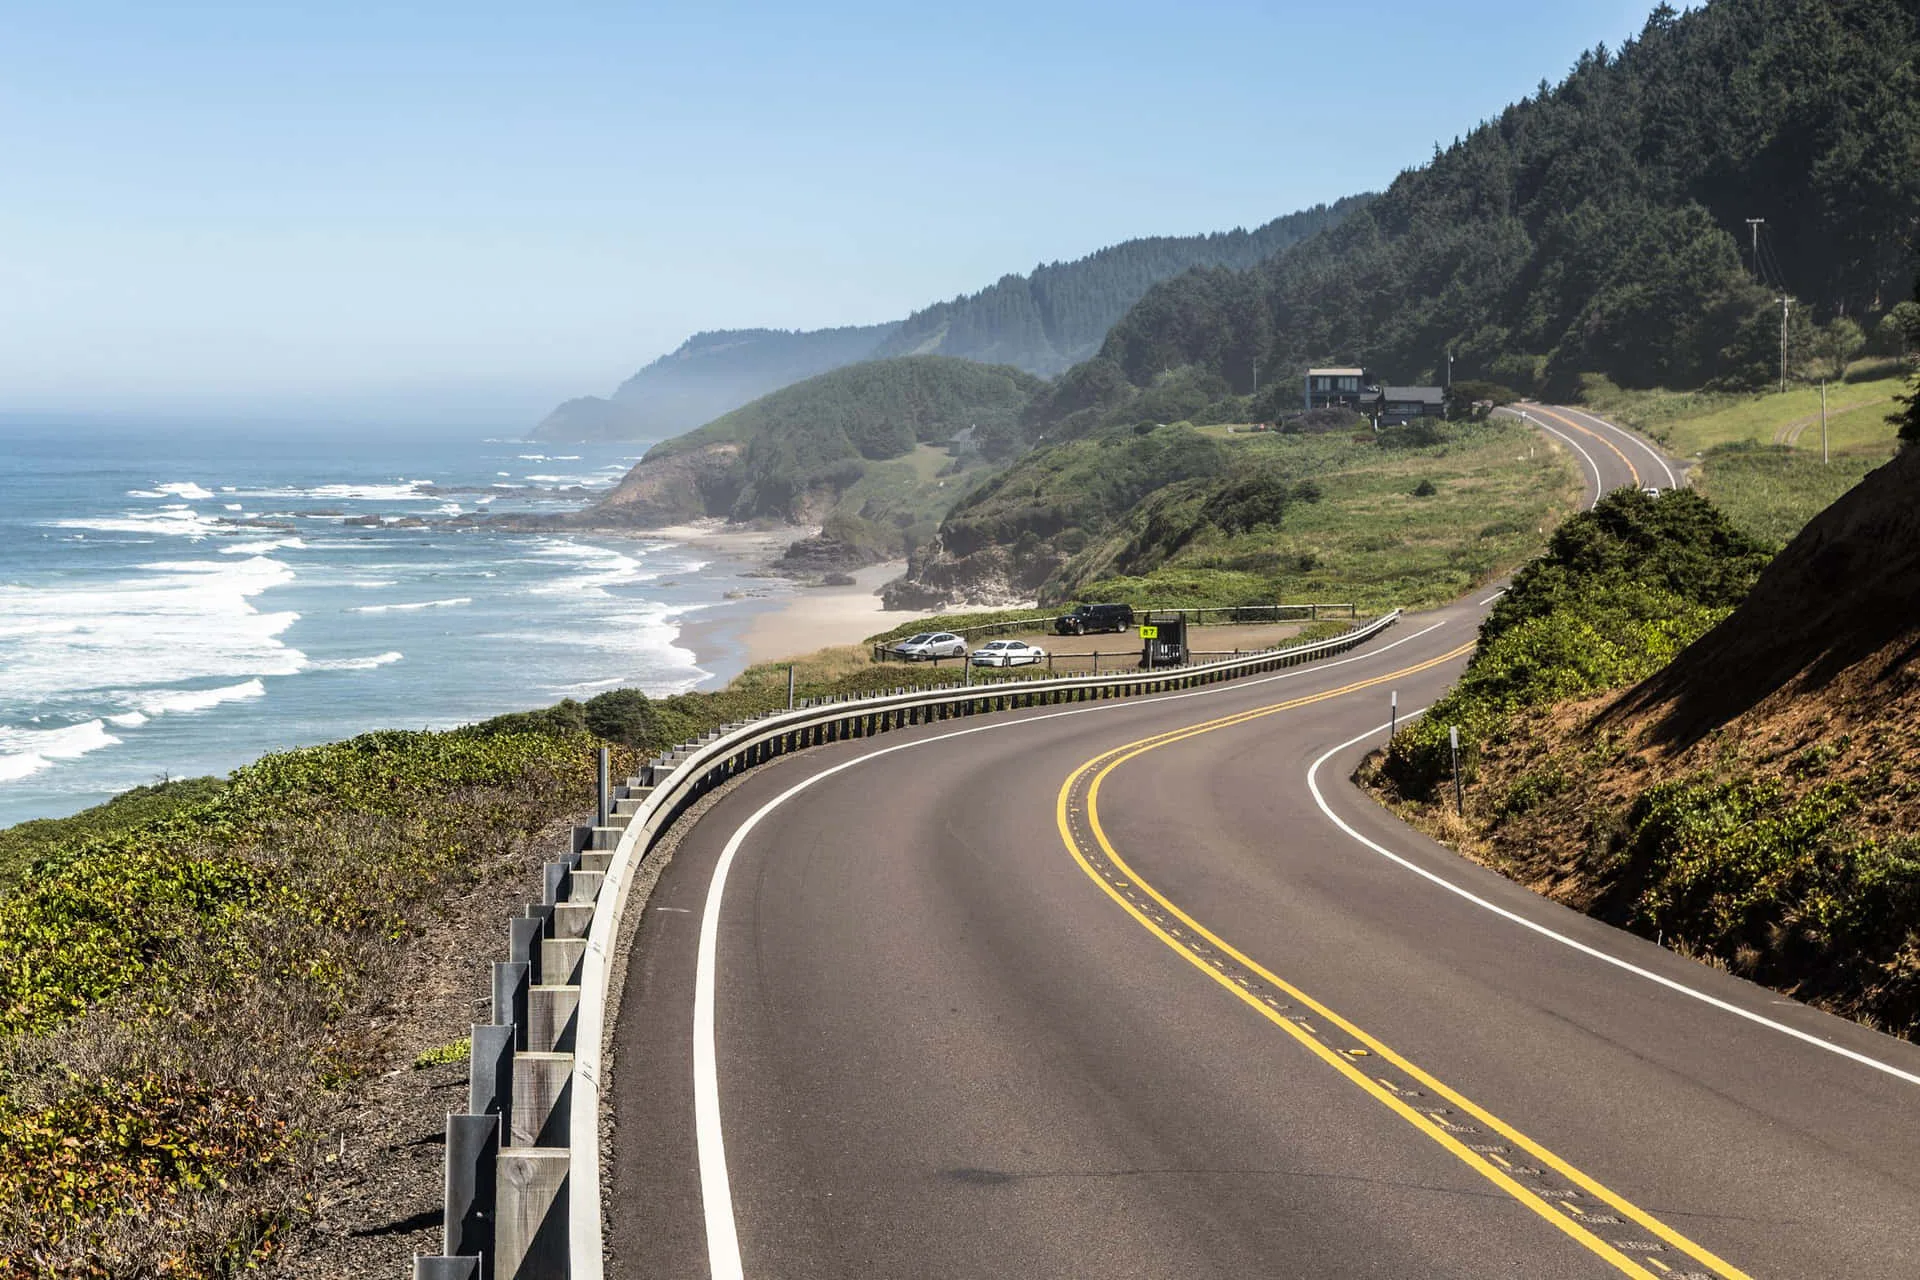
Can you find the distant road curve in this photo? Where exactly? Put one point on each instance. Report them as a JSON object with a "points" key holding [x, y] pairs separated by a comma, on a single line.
{"points": [[1147, 989], [1644, 465]]}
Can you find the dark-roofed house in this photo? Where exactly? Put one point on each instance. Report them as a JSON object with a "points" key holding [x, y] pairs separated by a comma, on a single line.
{"points": [[1398, 406]]}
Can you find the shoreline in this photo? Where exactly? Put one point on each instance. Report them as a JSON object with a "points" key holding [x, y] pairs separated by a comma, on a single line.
{"points": [[791, 621], [778, 617]]}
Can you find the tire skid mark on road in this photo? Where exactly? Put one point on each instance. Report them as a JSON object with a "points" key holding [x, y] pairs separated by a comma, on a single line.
{"points": [[1606, 1225]]}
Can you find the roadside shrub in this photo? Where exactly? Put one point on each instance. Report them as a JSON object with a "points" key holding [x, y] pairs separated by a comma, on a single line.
{"points": [[625, 716], [1621, 590]]}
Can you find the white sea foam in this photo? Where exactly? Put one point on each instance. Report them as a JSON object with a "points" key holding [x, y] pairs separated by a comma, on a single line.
{"points": [[638, 644], [178, 700], [27, 751], [232, 506], [417, 604], [594, 569], [262, 546], [179, 489], [164, 623], [175, 519], [129, 719], [548, 457], [404, 491], [374, 584], [355, 664]]}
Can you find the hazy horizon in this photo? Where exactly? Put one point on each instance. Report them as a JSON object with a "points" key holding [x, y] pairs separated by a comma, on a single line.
{"points": [[468, 212]]}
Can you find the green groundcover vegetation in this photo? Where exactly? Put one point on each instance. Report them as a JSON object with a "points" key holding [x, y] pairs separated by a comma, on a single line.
{"points": [[1621, 589], [1787, 872], [185, 971]]}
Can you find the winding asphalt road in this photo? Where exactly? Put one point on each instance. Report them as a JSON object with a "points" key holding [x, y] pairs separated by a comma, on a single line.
{"points": [[1148, 989]]}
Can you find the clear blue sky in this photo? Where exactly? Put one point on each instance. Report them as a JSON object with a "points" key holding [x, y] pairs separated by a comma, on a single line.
{"points": [[479, 208]]}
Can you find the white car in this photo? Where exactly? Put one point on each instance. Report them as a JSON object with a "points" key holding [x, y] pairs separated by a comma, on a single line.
{"points": [[930, 645], [1652, 491], [1007, 653]]}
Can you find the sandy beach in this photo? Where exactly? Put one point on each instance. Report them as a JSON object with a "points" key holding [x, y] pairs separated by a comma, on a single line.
{"points": [[776, 617], [812, 618]]}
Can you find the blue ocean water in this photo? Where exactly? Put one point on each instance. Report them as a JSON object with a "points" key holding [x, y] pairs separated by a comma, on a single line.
{"points": [[144, 633]]}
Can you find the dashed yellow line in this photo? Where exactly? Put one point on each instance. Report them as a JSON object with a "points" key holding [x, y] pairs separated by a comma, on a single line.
{"points": [[1567, 1222], [1589, 431]]}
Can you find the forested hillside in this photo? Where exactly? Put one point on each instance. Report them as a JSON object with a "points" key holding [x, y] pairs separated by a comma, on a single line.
{"points": [[1040, 323], [1060, 314], [1597, 226], [791, 454]]}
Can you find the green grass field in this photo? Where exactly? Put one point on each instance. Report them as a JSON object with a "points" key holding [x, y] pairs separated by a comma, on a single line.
{"points": [[1759, 457], [1499, 489], [1689, 423], [1772, 491]]}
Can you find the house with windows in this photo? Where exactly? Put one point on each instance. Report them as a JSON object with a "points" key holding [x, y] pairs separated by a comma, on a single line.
{"points": [[1397, 406], [1327, 388], [1390, 406]]}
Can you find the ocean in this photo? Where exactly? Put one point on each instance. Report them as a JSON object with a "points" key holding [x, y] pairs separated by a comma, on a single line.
{"points": [[149, 628]]}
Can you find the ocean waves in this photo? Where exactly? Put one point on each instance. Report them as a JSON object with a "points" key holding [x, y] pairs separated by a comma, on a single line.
{"points": [[191, 621], [452, 603], [24, 752]]}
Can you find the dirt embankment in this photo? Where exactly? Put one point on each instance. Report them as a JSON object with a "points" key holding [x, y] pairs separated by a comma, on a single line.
{"points": [[1757, 802]]}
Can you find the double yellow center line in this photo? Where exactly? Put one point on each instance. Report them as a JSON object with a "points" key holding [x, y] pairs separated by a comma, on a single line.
{"points": [[1590, 432], [1210, 953]]}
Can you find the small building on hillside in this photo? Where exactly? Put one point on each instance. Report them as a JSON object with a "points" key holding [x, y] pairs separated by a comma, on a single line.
{"points": [[1346, 388], [1397, 406]]}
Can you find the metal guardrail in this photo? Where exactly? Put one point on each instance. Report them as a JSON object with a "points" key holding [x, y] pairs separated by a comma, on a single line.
{"points": [[523, 1163]]}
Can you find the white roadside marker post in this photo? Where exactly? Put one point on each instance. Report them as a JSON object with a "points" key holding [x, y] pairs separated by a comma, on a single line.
{"points": [[1459, 798]]}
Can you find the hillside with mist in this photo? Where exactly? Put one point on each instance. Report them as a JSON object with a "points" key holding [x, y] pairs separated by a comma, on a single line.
{"points": [[1041, 323], [897, 433]]}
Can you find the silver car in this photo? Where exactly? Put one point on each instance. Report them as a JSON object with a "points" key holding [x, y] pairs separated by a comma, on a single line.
{"points": [[1007, 653], [929, 645]]}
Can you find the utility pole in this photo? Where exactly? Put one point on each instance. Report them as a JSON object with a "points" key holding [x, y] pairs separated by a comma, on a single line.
{"points": [[1785, 306], [1256, 375], [1756, 224], [1449, 370]]}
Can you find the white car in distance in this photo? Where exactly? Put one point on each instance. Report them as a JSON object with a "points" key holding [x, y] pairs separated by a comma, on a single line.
{"points": [[1007, 653], [930, 646]]}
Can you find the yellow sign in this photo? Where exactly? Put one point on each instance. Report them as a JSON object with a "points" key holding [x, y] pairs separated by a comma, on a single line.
{"points": [[1149, 633]]}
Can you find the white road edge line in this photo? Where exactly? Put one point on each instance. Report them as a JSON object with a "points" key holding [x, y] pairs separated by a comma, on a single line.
{"points": [[1682, 988], [1649, 450], [1599, 485], [716, 1189]]}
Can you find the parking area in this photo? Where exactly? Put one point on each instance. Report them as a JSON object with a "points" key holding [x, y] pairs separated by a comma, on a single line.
{"points": [[1120, 651]]}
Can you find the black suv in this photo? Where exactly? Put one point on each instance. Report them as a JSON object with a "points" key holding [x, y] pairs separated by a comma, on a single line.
{"points": [[1089, 618]]}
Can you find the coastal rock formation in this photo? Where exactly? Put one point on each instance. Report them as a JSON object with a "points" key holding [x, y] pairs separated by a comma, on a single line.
{"points": [[826, 554], [670, 490], [987, 577]]}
